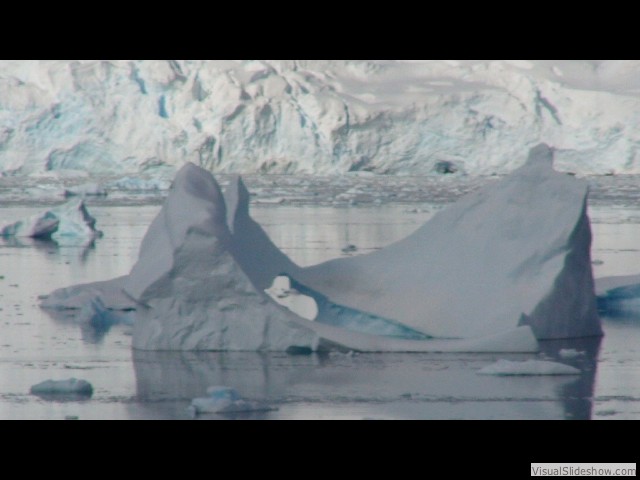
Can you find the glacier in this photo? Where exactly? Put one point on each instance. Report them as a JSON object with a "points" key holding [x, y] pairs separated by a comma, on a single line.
{"points": [[143, 118]]}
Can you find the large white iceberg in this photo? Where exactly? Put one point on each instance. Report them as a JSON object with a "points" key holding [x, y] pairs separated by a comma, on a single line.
{"points": [[477, 277], [514, 253], [191, 293]]}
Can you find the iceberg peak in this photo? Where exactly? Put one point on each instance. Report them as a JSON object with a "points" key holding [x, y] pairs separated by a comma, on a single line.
{"points": [[540, 156]]}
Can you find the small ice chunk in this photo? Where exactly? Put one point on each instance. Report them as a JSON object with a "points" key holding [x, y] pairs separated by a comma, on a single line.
{"points": [[222, 399], [270, 201], [349, 249], [139, 184], [71, 386], [529, 367], [87, 189], [570, 353]]}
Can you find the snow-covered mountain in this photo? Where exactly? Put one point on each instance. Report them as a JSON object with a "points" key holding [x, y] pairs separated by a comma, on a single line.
{"points": [[395, 117]]}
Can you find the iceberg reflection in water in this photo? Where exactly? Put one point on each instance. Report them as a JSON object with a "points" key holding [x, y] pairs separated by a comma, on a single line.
{"points": [[417, 386]]}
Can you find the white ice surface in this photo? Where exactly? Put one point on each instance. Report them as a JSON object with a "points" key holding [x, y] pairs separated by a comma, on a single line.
{"points": [[282, 293], [316, 116], [528, 367]]}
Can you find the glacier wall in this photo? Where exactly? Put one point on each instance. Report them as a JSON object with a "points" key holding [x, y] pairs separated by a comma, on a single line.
{"points": [[324, 117]]}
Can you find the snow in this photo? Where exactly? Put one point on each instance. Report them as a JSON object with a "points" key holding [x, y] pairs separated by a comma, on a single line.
{"points": [[514, 253], [528, 367], [223, 400], [71, 386], [133, 118], [282, 293]]}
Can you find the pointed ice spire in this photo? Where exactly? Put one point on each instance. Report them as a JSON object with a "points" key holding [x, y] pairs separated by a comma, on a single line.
{"points": [[540, 156], [236, 197]]}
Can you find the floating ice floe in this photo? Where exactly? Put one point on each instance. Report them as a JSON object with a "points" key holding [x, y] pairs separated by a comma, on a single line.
{"points": [[225, 400], [570, 353], [87, 189], [139, 184], [619, 296], [528, 367], [71, 386]]}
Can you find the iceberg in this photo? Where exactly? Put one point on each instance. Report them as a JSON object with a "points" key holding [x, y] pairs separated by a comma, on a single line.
{"points": [[75, 222], [622, 300], [71, 386], [514, 253], [71, 220], [190, 291], [225, 400], [87, 189], [37, 226]]}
